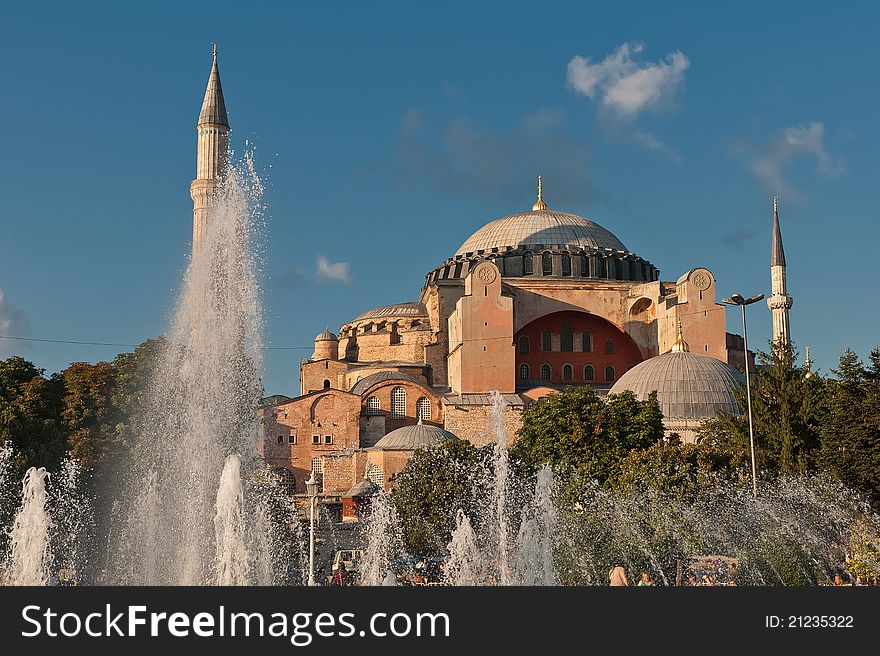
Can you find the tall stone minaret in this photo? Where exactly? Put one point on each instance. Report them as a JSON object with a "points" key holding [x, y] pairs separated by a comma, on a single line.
{"points": [[779, 302], [213, 131]]}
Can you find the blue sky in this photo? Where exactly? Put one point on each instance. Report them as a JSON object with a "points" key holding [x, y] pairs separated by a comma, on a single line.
{"points": [[386, 133]]}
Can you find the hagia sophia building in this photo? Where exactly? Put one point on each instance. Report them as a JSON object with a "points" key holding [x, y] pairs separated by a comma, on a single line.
{"points": [[528, 304]]}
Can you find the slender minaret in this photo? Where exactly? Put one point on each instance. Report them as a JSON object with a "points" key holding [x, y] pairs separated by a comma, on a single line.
{"points": [[213, 131], [779, 302]]}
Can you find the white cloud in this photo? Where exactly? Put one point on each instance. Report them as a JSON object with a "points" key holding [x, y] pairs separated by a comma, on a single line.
{"points": [[333, 271], [13, 323], [769, 159], [624, 85]]}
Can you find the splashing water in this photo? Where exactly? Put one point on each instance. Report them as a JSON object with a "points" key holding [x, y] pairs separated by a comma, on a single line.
{"points": [[29, 555], [232, 553], [383, 542], [463, 564], [535, 541], [502, 466], [204, 400]]}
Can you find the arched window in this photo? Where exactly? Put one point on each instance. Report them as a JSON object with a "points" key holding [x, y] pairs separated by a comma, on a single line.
{"points": [[375, 474], [609, 374], [524, 344], [326, 384], [566, 338], [546, 341], [528, 265], [567, 372], [566, 264], [286, 480], [423, 409], [609, 346], [545, 371], [589, 373], [374, 406], [585, 266], [524, 372], [588, 342], [398, 403], [547, 264]]}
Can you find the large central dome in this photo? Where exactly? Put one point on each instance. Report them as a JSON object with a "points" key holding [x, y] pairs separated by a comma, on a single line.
{"points": [[541, 228]]}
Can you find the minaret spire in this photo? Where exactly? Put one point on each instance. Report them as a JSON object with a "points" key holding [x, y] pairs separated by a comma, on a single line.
{"points": [[779, 302], [213, 141]]}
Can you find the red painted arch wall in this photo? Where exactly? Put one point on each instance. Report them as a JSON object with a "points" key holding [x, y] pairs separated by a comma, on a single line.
{"points": [[625, 353]]}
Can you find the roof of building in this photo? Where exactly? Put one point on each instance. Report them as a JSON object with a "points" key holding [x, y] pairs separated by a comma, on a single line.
{"points": [[213, 107], [326, 336], [366, 383], [688, 385], [480, 399], [408, 309], [410, 438], [541, 228], [275, 399], [366, 488]]}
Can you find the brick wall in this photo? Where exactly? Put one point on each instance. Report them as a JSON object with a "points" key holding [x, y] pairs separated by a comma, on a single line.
{"points": [[474, 423]]}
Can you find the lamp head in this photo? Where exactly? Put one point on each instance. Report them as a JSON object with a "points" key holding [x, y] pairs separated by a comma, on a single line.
{"points": [[737, 298], [312, 485]]}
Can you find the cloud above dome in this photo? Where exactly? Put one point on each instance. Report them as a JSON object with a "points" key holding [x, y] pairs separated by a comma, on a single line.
{"points": [[624, 85]]}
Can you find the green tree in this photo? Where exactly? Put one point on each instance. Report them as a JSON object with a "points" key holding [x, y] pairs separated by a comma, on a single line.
{"points": [[787, 409], [30, 408], [851, 430], [584, 437], [682, 470], [433, 486]]}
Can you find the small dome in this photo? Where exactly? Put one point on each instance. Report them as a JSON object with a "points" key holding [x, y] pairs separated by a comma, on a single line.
{"points": [[541, 228], [326, 336], [410, 438], [366, 488], [689, 386]]}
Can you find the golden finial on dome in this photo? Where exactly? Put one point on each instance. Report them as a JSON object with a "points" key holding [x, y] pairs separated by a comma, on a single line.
{"points": [[540, 205], [680, 345], [808, 365]]}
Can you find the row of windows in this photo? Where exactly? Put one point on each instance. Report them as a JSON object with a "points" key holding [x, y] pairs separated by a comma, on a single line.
{"points": [[547, 265], [398, 405], [316, 439], [566, 341], [525, 372]]}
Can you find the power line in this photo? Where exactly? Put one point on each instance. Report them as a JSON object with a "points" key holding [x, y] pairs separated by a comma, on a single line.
{"points": [[115, 345]]}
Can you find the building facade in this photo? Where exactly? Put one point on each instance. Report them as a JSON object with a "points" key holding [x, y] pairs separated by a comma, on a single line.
{"points": [[529, 303]]}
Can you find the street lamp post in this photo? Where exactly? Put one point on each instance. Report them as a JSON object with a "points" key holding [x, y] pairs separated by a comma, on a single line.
{"points": [[312, 489], [737, 299]]}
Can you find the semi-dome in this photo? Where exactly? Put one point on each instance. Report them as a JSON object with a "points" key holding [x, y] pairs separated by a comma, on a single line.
{"points": [[410, 438], [540, 228], [689, 386], [367, 382], [409, 309]]}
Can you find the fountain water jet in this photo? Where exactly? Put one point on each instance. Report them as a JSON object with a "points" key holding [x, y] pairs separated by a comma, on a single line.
{"points": [[232, 552], [383, 542], [462, 566], [29, 554]]}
